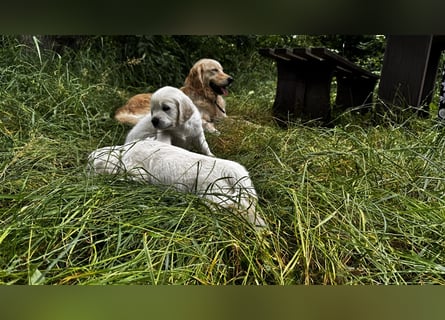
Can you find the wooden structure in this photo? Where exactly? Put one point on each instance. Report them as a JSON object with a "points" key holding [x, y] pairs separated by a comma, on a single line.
{"points": [[304, 83], [409, 70]]}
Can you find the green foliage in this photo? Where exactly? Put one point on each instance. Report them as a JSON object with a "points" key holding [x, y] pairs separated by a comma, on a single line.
{"points": [[147, 62], [360, 203]]}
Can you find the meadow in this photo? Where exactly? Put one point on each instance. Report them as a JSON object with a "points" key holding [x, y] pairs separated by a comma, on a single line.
{"points": [[361, 202]]}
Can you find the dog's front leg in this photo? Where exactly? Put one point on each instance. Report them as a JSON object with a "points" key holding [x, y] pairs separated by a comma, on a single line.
{"points": [[210, 127]]}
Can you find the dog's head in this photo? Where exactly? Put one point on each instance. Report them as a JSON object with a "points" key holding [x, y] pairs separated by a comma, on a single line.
{"points": [[170, 107], [208, 75]]}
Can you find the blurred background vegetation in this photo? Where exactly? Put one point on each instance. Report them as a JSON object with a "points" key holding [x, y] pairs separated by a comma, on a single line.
{"points": [[151, 61]]}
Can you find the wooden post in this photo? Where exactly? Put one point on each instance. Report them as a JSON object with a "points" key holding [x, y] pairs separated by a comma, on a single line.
{"points": [[354, 91], [409, 70], [303, 90]]}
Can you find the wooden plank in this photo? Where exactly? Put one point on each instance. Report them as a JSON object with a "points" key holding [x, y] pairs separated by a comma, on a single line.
{"points": [[405, 68], [317, 55], [340, 68], [264, 51], [306, 52], [270, 53], [288, 54], [343, 63]]}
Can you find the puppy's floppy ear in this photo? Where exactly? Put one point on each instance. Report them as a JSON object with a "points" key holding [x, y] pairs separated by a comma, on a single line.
{"points": [[186, 108]]}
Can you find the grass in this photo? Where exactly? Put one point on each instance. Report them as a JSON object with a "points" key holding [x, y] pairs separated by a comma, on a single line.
{"points": [[359, 203]]}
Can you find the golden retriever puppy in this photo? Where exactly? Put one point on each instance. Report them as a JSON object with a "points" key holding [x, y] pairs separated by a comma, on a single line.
{"points": [[223, 182], [206, 84], [173, 119]]}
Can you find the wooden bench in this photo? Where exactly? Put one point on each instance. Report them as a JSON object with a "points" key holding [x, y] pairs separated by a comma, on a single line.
{"points": [[304, 83]]}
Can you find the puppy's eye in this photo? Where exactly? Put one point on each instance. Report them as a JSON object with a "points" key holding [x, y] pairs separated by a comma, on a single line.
{"points": [[165, 108], [214, 70]]}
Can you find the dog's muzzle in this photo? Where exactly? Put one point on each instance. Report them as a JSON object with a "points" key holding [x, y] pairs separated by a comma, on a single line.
{"points": [[155, 122], [159, 124], [221, 90]]}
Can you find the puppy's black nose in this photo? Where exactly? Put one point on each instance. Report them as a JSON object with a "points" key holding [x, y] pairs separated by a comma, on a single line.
{"points": [[155, 121], [230, 80]]}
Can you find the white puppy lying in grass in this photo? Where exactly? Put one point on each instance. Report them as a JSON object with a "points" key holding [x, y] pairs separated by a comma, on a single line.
{"points": [[223, 182], [173, 119]]}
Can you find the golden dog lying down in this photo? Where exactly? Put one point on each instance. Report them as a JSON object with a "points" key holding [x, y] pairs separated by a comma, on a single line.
{"points": [[205, 84]]}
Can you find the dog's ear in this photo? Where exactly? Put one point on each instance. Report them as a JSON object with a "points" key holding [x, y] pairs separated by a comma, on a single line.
{"points": [[186, 108], [195, 77]]}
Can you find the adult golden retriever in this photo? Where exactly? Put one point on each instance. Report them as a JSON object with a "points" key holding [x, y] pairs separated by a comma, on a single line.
{"points": [[206, 84]]}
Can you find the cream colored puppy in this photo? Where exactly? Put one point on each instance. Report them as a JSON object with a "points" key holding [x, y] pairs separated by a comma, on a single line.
{"points": [[223, 182], [173, 119]]}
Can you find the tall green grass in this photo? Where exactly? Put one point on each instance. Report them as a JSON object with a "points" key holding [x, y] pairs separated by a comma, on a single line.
{"points": [[360, 203]]}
